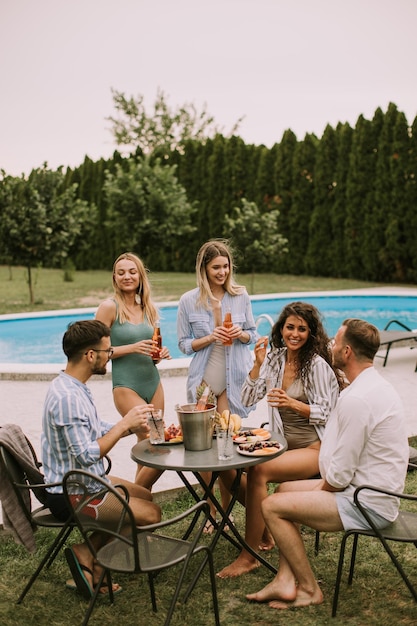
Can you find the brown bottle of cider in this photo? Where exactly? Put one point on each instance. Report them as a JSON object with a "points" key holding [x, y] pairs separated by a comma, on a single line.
{"points": [[157, 337], [227, 323]]}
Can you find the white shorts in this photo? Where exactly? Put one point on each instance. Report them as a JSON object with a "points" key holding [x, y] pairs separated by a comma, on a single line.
{"points": [[352, 517]]}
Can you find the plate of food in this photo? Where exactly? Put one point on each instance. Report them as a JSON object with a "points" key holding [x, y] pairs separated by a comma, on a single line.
{"points": [[259, 448], [251, 435], [173, 436]]}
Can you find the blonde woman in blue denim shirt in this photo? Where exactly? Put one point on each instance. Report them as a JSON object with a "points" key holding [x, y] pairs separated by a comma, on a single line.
{"points": [[201, 332]]}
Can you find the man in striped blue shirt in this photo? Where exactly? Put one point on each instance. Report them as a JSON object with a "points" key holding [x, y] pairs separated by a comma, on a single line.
{"points": [[74, 437]]}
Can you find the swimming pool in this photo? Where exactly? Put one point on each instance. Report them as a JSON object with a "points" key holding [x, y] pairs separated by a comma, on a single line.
{"points": [[37, 337]]}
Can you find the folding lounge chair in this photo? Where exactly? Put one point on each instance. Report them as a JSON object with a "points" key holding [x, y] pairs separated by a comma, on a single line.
{"points": [[389, 337]]}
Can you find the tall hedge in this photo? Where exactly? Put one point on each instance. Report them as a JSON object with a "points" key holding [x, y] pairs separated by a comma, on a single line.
{"points": [[347, 200]]}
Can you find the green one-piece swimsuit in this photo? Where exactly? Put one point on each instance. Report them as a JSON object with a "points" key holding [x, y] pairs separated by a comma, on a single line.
{"points": [[135, 371]]}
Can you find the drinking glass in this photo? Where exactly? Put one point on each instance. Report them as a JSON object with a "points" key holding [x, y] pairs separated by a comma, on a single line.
{"points": [[270, 382], [156, 426], [224, 438]]}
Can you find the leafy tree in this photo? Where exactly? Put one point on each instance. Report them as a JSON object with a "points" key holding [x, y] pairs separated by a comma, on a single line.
{"points": [[39, 219], [148, 211], [257, 236], [163, 130]]}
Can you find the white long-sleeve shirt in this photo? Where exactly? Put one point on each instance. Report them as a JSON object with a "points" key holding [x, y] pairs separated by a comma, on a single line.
{"points": [[365, 442]]}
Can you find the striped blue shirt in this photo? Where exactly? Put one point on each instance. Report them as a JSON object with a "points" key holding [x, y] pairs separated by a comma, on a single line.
{"points": [[194, 322], [70, 429], [322, 389]]}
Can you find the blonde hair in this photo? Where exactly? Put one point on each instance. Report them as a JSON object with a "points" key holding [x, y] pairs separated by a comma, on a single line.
{"points": [[209, 251], [143, 291]]}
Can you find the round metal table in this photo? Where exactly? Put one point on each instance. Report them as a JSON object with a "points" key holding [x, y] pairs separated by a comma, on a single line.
{"points": [[175, 457]]}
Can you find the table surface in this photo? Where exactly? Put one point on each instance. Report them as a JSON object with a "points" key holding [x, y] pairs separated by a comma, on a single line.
{"points": [[176, 457]]}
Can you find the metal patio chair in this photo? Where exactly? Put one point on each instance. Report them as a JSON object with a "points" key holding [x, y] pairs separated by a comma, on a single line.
{"points": [[40, 516], [404, 530], [132, 549], [21, 480]]}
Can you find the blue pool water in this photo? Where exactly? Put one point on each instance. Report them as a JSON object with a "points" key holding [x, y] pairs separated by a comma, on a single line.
{"points": [[37, 338]]}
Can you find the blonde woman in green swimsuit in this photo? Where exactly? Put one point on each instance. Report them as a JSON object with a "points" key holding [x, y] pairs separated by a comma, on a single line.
{"points": [[131, 315]]}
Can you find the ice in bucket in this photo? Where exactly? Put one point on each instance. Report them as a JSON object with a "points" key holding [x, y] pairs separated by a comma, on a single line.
{"points": [[197, 426]]}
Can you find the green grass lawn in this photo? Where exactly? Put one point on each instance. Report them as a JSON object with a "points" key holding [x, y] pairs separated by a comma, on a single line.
{"points": [[89, 288], [378, 595]]}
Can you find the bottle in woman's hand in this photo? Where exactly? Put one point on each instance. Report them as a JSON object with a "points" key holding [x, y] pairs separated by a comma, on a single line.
{"points": [[157, 338], [227, 323]]}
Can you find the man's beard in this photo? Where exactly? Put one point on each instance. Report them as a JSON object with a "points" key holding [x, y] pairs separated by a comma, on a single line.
{"points": [[337, 362], [100, 370]]}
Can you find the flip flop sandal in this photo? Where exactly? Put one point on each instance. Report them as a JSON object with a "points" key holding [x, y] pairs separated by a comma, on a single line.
{"points": [[77, 571], [106, 587], [70, 584]]}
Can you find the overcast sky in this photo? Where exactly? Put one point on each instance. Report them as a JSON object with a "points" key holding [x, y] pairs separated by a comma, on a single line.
{"points": [[283, 64]]}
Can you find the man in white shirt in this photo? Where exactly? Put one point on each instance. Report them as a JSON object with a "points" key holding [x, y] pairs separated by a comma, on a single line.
{"points": [[364, 442]]}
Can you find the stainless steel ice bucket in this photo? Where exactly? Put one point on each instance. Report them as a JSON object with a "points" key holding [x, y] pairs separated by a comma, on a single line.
{"points": [[197, 426]]}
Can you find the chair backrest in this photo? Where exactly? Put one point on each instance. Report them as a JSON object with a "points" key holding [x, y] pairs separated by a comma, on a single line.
{"points": [[20, 482], [98, 506]]}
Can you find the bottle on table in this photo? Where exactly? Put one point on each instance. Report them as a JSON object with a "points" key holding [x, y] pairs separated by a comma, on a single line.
{"points": [[227, 323], [157, 337], [203, 401]]}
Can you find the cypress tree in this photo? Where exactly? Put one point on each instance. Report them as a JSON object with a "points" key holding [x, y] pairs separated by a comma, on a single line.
{"points": [[396, 251], [283, 177], [216, 189], [302, 205], [410, 217], [376, 263], [319, 260], [359, 192], [337, 243], [264, 182]]}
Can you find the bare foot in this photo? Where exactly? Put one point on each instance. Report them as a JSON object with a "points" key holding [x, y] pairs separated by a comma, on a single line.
{"points": [[208, 528], [239, 567], [267, 541], [275, 591], [303, 598], [104, 589]]}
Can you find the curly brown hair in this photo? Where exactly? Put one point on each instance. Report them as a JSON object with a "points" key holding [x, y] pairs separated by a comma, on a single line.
{"points": [[318, 341]]}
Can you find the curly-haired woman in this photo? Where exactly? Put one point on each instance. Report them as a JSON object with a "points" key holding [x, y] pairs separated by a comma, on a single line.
{"points": [[302, 395]]}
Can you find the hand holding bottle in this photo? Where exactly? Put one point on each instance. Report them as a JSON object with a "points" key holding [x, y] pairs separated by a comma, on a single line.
{"points": [[228, 325]]}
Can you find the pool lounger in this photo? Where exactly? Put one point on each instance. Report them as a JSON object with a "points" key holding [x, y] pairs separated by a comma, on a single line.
{"points": [[388, 337]]}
